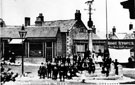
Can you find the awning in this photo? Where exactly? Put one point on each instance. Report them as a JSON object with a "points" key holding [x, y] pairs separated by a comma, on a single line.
{"points": [[16, 41]]}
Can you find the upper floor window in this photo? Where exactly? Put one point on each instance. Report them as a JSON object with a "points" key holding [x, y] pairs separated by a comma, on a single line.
{"points": [[82, 30]]}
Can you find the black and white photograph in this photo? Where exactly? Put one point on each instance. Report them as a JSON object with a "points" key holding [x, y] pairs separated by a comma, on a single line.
{"points": [[67, 42]]}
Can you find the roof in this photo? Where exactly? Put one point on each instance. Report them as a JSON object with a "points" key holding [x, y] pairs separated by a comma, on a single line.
{"points": [[121, 35], [13, 32], [112, 36], [130, 34], [63, 24], [84, 36]]}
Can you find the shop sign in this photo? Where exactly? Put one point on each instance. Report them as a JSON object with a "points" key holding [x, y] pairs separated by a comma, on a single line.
{"points": [[115, 43]]}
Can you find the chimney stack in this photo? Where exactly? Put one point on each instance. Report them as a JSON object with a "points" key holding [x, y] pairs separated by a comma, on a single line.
{"points": [[27, 21], [130, 26], [2, 23], [39, 20], [113, 30], [41, 17], [77, 15]]}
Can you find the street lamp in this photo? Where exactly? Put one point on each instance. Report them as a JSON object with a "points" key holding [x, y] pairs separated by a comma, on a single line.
{"points": [[22, 34], [134, 44]]}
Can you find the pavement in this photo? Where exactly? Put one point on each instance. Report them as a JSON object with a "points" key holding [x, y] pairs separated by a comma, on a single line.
{"points": [[37, 81], [33, 79]]}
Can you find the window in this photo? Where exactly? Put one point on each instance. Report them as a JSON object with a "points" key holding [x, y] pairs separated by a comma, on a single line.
{"points": [[80, 48], [36, 50], [81, 29]]}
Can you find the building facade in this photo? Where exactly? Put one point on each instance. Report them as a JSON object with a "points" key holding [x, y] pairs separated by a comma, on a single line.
{"points": [[48, 39]]}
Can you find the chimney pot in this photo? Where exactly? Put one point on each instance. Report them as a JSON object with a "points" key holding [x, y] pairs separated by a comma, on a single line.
{"points": [[77, 15], [113, 30], [130, 26], [41, 17]]}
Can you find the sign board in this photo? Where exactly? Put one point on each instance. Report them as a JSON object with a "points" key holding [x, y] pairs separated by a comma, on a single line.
{"points": [[120, 44], [16, 41]]}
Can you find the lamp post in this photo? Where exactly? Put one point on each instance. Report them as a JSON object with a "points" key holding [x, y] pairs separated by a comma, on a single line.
{"points": [[22, 34], [134, 45]]}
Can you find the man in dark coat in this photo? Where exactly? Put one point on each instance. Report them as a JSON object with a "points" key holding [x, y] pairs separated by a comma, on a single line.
{"points": [[116, 66], [108, 65], [55, 71], [42, 71], [49, 69], [68, 60], [62, 68]]}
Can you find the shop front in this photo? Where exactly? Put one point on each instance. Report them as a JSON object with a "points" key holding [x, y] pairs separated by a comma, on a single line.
{"points": [[82, 45], [39, 45]]}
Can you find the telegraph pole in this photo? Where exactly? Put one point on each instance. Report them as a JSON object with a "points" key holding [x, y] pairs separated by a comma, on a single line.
{"points": [[106, 24], [1, 8]]}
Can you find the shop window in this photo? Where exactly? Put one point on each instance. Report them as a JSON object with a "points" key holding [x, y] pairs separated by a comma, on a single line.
{"points": [[36, 50], [15, 48], [80, 48]]}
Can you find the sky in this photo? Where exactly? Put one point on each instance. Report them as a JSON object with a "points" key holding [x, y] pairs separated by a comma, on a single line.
{"points": [[14, 11]]}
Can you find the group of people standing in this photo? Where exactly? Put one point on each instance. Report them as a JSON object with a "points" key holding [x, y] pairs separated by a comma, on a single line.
{"points": [[66, 68], [106, 63]]}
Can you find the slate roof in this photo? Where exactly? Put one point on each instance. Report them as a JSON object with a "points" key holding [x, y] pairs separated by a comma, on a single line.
{"points": [[63, 24], [84, 36], [130, 34], [13, 32]]}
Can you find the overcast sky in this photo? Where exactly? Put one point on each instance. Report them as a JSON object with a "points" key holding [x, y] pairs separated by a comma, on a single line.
{"points": [[14, 11]]}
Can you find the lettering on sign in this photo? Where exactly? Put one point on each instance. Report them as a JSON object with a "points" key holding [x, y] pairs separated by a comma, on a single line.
{"points": [[116, 43], [125, 43]]}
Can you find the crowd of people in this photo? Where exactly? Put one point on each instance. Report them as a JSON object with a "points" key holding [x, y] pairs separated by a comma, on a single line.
{"points": [[66, 68]]}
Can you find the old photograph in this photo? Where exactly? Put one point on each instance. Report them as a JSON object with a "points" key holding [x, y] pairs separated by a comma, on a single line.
{"points": [[67, 42]]}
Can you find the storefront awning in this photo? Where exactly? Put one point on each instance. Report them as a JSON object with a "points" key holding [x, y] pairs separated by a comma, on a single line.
{"points": [[16, 41]]}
